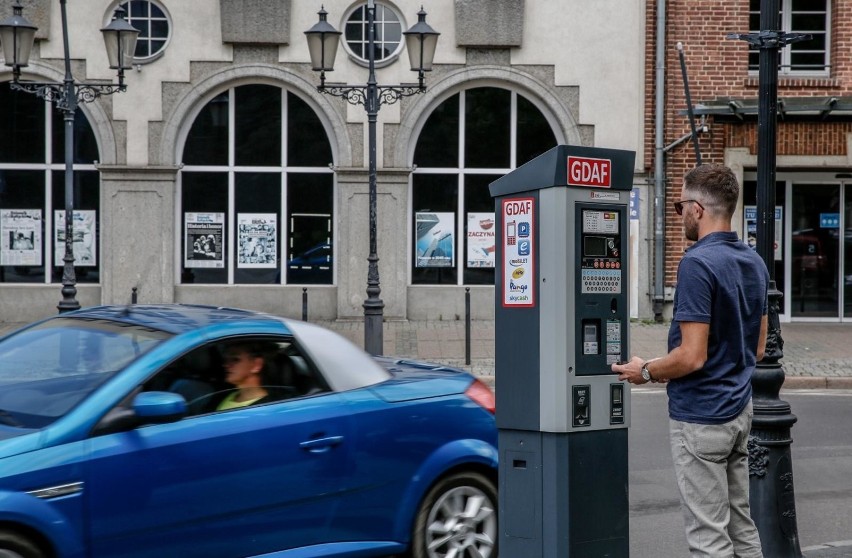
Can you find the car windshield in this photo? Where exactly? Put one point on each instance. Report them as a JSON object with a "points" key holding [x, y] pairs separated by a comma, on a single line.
{"points": [[49, 368]]}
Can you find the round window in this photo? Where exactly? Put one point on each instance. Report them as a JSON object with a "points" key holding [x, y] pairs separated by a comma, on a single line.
{"points": [[154, 28], [388, 40]]}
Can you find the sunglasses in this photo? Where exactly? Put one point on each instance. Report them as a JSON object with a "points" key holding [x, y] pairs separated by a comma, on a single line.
{"points": [[678, 205]]}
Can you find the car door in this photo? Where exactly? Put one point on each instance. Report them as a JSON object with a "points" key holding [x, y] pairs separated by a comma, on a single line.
{"points": [[232, 483]]}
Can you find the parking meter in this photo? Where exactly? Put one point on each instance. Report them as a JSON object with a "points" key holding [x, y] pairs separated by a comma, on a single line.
{"points": [[562, 320]]}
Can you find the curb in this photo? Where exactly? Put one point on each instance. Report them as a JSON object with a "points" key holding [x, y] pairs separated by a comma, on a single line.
{"points": [[817, 382]]}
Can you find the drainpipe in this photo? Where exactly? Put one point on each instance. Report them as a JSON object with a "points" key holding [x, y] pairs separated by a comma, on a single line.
{"points": [[659, 165]]}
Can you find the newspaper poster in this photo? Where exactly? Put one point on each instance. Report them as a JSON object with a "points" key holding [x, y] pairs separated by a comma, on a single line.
{"points": [[750, 218], [435, 239], [21, 237], [205, 240], [257, 235], [481, 240], [83, 238]]}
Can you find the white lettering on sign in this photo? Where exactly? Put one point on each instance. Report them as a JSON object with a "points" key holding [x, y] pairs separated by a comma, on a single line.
{"points": [[585, 171]]}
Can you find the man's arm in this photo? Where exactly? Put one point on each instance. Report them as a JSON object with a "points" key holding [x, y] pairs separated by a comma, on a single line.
{"points": [[761, 343], [685, 359]]}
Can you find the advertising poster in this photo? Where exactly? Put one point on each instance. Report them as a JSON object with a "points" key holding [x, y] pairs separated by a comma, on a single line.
{"points": [[21, 237], [205, 240], [518, 242], [750, 214], [83, 238], [257, 235], [435, 239], [481, 240]]}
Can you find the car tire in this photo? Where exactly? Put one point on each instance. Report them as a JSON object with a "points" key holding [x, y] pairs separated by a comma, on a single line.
{"points": [[458, 515], [13, 545]]}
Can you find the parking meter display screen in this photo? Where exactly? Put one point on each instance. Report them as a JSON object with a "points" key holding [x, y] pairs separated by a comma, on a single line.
{"points": [[594, 246]]}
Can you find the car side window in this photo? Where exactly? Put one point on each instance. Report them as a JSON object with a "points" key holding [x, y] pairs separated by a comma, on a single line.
{"points": [[239, 372]]}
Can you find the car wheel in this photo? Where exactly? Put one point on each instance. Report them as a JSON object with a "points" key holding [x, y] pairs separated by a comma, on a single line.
{"points": [[16, 546], [458, 519]]}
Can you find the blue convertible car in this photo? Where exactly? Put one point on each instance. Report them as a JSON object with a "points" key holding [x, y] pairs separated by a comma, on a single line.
{"points": [[117, 439]]}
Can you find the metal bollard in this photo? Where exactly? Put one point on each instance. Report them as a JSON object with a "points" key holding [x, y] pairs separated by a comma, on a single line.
{"points": [[467, 325], [133, 296], [304, 304]]}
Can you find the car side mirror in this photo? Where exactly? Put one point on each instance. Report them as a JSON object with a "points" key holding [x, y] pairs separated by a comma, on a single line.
{"points": [[150, 407], [159, 407]]}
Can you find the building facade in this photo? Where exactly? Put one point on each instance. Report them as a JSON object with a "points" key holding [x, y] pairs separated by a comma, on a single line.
{"points": [[222, 176], [813, 256]]}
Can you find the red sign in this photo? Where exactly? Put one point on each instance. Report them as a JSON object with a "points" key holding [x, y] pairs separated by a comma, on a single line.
{"points": [[585, 171]]}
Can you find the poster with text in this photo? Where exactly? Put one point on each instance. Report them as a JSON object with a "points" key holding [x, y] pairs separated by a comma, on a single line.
{"points": [[435, 239], [750, 217], [257, 240], [21, 237], [83, 238], [481, 240], [205, 240]]}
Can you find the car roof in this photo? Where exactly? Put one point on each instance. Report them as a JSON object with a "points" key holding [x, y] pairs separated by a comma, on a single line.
{"points": [[173, 318]]}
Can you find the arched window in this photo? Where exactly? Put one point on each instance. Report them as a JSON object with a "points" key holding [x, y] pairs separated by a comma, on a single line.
{"points": [[32, 192], [469, 140], [257, 191]]}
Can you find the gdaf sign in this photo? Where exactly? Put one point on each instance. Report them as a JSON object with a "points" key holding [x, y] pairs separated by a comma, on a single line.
{"points": [[585, 171]]}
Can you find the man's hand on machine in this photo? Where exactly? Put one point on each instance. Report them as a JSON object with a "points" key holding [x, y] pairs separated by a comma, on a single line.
{"points": [[631, 371]]}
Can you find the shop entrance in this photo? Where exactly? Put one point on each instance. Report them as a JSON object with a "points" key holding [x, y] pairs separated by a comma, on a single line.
{"points": [[821, 251]]}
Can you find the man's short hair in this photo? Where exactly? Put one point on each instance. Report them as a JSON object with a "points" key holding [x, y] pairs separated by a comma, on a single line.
{"points": [[716, 185]]}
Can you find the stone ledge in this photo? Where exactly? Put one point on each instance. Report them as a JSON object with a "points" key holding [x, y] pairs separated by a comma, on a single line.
{"points": [[255, 21], [489, 23]]}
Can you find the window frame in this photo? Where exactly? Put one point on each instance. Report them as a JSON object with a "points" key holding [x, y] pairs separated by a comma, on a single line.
{"points": [[283, 169], [462, 171], [49, 167], [149, 19], [785, 53], [391, 58]]}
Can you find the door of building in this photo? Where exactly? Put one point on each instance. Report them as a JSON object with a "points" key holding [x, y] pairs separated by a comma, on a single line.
{"points": [[820, 246]]}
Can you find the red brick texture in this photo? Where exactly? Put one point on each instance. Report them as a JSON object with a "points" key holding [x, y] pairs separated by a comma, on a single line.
{"points": [[717, 68]]}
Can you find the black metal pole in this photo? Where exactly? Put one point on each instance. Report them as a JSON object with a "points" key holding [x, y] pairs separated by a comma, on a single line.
{"points": [[304, 304], [69, 108], [467, 325], [373, 306], [689, 110], [772, 497]]}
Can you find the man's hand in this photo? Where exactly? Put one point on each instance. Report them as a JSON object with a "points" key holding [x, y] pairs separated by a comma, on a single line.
{"points": [[630, 371]]}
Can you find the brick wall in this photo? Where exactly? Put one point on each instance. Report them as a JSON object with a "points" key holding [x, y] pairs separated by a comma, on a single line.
{"points": [[718, 67]]}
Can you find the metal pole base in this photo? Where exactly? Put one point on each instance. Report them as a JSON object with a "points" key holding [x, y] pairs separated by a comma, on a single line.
{"points": [[373, 332]]}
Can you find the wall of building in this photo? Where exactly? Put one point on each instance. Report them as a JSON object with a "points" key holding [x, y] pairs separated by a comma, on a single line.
{"points": [[582, 68]]}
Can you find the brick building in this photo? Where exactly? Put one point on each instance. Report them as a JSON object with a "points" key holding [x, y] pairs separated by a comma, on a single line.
{"points": [[814, 166]]}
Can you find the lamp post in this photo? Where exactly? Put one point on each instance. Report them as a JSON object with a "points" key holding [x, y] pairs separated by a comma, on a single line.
{"points": [[421, 41], [17, 35], [773, 500]]}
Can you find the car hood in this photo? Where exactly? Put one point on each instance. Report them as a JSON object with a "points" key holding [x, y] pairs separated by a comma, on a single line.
{"points": [[17, 440], [413, 379]]}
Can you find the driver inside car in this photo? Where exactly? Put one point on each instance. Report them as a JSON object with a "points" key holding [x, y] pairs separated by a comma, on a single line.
{"points": [[248, 366]]}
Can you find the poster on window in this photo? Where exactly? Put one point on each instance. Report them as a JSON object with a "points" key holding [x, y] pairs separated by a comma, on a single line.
{"points": [[257, 240], [435, 239], [205, 240], [481, 240], [750, 217], [83, 238], [21, 237]]}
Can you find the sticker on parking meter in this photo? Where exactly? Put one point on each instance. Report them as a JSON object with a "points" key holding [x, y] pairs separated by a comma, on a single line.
{"points": [[518, 239]]}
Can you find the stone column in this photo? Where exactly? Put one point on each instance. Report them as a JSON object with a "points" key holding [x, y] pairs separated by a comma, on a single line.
{"points": [[353, 240], [137, 233]]}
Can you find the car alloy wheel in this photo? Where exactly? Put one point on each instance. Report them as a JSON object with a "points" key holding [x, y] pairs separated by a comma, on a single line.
{"points": [[458, 519]]}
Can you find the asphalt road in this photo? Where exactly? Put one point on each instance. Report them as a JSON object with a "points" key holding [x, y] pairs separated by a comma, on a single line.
{"points": [[822, 469]]}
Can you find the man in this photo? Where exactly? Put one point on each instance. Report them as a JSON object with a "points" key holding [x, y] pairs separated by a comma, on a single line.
{"points": [[718, 334]]}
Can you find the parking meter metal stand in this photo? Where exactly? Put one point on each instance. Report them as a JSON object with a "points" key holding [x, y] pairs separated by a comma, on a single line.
{"points": [[562, 319]]}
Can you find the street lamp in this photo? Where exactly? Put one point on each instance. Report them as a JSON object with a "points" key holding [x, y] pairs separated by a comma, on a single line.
{"points": [[772, 498], [17, 36], [421, 41]]}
